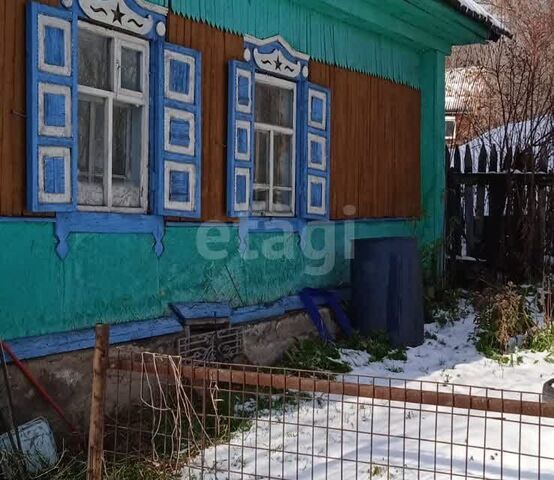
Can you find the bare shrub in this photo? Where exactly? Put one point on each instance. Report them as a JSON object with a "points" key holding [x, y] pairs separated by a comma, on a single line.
{"points": [[502, 315]]}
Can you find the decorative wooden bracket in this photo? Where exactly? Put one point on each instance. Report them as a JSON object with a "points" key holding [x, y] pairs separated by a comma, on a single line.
{"points": [[134, 16], [274, 55], [68, 223]]}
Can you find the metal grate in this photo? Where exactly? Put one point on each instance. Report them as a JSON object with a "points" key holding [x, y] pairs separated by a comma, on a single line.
{"points": [[219, 345]]}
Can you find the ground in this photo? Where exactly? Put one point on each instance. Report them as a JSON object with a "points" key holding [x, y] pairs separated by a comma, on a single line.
{"points": [[347, 437], [449, 355]]}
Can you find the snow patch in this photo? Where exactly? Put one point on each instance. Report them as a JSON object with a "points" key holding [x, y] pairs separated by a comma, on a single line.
{"points": [[481, 11], [336, 437]]}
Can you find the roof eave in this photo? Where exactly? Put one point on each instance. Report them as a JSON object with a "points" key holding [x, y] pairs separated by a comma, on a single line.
{"points": [[495, 31]]}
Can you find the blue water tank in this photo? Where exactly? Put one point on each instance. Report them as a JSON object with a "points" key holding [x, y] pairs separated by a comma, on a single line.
{"points": [[387, 289]]}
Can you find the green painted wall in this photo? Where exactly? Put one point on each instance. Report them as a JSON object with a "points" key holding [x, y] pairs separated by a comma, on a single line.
{"points": [[118, 278]]}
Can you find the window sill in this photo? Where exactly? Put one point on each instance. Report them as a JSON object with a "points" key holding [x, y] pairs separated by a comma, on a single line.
{"points": [[275, 224], [88, 222]]}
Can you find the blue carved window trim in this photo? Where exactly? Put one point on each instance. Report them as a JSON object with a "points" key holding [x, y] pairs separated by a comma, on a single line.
{"points": [[173, 159], [274, 57]]}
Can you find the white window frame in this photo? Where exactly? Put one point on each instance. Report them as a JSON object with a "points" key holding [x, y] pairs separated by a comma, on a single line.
{"points": [[61, 152], [450, 118], [46, 21], [129, 97], [272, 130]]}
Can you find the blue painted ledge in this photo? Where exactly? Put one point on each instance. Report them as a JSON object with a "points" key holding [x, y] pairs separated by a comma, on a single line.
{"points": [[89, 222], [41, 346], [250, 314], [56, 343]]}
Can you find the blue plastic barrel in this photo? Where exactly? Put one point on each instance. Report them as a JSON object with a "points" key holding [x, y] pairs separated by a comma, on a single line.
{"points": [[387, 289]]}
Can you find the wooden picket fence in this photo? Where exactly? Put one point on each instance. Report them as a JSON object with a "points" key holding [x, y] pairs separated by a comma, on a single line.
{"points": [[500, 211]]}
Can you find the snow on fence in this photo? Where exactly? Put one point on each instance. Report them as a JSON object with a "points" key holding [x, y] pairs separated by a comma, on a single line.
{"points": [[500, 209], [222, 421]]}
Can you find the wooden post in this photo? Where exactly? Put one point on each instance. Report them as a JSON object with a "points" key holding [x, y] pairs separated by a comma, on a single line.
{"points": [[480, 204], [469, 206], [96, 425]]}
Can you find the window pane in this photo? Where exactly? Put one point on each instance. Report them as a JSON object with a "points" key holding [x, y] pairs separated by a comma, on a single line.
{"points": [[261, 158], [94, 60], [282, 160], [92, 151], [126, 155], [261, 200], [131, 66], [450, 128], [282, 201], [274, 105]]}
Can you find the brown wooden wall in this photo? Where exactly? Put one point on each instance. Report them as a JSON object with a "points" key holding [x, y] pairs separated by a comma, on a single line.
{"points": [[375, 160], [12, 105], [375, 145]]}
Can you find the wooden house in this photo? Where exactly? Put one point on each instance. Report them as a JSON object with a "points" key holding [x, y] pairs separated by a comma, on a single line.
{"points": [[210, 151]]}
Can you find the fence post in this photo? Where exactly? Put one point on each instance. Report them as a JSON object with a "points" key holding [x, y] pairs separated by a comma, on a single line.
{"points": [[96, 425], [469, 205], [480, 203]]}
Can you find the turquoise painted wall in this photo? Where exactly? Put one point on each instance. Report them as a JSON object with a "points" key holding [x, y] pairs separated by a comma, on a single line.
{"points": [[117, 277], [321, 36]]}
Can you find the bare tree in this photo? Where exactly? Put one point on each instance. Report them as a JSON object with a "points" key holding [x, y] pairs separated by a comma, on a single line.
{"points": [[512, 113], [515, 106]]}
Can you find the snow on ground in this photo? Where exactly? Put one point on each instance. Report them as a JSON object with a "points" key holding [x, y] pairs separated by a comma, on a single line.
{"points": [[350, 438], [449, 355]]}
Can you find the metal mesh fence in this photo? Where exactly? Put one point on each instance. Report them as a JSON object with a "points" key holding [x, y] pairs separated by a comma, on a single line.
{"points": [[221, 421]]}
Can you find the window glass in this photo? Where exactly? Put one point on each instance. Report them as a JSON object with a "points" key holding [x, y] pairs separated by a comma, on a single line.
{"points": [[94, 60], [261, 158], [274, 105], [131, 61], [261, 200], [112, 178], [450, 127], [282, 160], [126, 156], [274, 148], [92, 151], [282, 201]]}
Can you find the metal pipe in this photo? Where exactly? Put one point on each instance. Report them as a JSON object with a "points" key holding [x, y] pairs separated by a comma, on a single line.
{"points": [[40, 389]]}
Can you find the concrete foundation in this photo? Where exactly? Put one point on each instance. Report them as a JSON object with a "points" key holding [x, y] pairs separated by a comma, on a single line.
{"points": [[265, 343], [68, 377]]}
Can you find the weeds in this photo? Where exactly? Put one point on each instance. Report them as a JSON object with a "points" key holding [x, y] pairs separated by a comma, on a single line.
{"points": [[502, 316], [377, 346], [541, 339], [443, 306], [137, 470], [75, 468], [315, 355]]}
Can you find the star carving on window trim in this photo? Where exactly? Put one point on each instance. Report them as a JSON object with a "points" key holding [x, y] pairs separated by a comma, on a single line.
{"points": [[278, 63], [117, 14]]}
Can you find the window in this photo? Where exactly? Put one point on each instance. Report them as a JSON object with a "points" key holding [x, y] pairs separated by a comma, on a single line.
{"points": [[275, 147], [450, 128], [278, 136], [96, 142], [113, 121]]}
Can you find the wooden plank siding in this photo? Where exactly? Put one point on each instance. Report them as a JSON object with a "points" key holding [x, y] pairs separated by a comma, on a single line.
{"points": [[375, 160], [375, 143], [13, 105]]}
